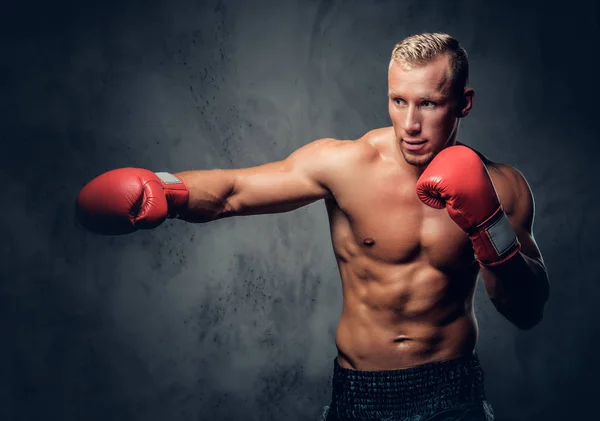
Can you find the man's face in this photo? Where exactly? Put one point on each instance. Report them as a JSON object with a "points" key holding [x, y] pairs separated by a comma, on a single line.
{"points": [[423, 109]]}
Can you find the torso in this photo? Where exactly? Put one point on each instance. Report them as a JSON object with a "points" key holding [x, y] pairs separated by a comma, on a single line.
{"points": [[408, 271]]}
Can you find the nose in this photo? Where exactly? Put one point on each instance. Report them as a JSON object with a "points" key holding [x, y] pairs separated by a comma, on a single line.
{"points": [[412, 124]]}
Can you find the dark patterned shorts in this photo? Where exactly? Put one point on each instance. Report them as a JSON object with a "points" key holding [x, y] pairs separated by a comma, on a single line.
{"points": [[442, 391]]}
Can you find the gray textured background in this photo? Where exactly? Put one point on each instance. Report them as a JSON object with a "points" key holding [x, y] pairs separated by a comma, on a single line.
{"points": [[234, 320]]}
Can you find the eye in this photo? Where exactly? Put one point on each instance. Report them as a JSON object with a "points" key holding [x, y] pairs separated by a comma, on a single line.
{"points": [[398, 101], [428, 104]]}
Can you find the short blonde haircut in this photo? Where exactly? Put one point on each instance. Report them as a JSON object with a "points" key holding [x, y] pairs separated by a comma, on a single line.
{"points": [[420, 49]]}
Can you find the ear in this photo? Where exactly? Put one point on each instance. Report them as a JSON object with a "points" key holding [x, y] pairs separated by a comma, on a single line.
{"points": [[466, 102]]}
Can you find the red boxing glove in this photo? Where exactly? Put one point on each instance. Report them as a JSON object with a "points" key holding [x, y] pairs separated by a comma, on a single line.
{"points": [[458, 180], [127, 199]]}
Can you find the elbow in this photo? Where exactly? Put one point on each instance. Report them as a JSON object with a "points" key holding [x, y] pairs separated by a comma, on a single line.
{"points": [[228, 207], [522, 318], [527, 324], [207, 211], [230, 203], [529, 321], [537, 313]]}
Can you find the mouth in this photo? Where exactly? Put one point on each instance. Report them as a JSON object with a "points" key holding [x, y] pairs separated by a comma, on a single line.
{"points": [[414, 144]]}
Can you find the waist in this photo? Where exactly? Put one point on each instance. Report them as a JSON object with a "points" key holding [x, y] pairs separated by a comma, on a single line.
{"points": [[365, 344], [418, 390]]}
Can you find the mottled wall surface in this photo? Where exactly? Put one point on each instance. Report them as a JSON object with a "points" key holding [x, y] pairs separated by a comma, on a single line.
{"points": [[234, 320]]}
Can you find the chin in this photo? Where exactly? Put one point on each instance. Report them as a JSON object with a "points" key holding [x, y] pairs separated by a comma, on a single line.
{"points": [[418, 160]]}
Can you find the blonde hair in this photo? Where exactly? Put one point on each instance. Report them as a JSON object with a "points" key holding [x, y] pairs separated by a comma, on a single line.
{"points": [[420, 49]]}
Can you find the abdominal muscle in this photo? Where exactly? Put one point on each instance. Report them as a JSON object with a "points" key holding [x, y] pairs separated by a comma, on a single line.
{"points": [[404, 315]]}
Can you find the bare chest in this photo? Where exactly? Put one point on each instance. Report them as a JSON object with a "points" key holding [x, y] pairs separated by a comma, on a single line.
{"points": [[380, 216]]}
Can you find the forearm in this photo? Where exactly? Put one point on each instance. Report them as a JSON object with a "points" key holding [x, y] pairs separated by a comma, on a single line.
{"points": [[519, 289], [209, 192]]}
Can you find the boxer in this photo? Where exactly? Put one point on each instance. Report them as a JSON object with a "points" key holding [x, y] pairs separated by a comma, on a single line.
{"points": [[414, 215]]}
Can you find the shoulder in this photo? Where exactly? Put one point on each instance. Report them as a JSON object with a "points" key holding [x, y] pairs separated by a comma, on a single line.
{"points": [[326, 161], [377, 138], [347, 148], [327, 156], [514, 191], [331, 162], [375, 142], [336, 151], [511, 185]]}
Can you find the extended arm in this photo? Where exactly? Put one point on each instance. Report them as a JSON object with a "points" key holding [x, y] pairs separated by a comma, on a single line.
{"points": [[275, 187], [127, 199]]}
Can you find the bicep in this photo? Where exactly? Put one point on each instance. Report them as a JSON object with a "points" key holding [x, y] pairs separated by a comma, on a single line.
{"points": [[281, 186]]}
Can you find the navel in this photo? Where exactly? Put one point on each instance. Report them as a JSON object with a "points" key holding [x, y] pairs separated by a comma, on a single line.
{"points": [[369, 242]]}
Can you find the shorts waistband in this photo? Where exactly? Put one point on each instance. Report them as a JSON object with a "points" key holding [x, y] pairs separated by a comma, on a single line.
{"points": [[418, 390]]}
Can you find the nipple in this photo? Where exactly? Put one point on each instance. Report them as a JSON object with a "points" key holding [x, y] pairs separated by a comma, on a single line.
{"points": [[368, 242]]}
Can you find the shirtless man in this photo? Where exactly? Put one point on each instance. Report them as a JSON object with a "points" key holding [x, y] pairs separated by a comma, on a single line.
{"points": [[414, 218]]}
